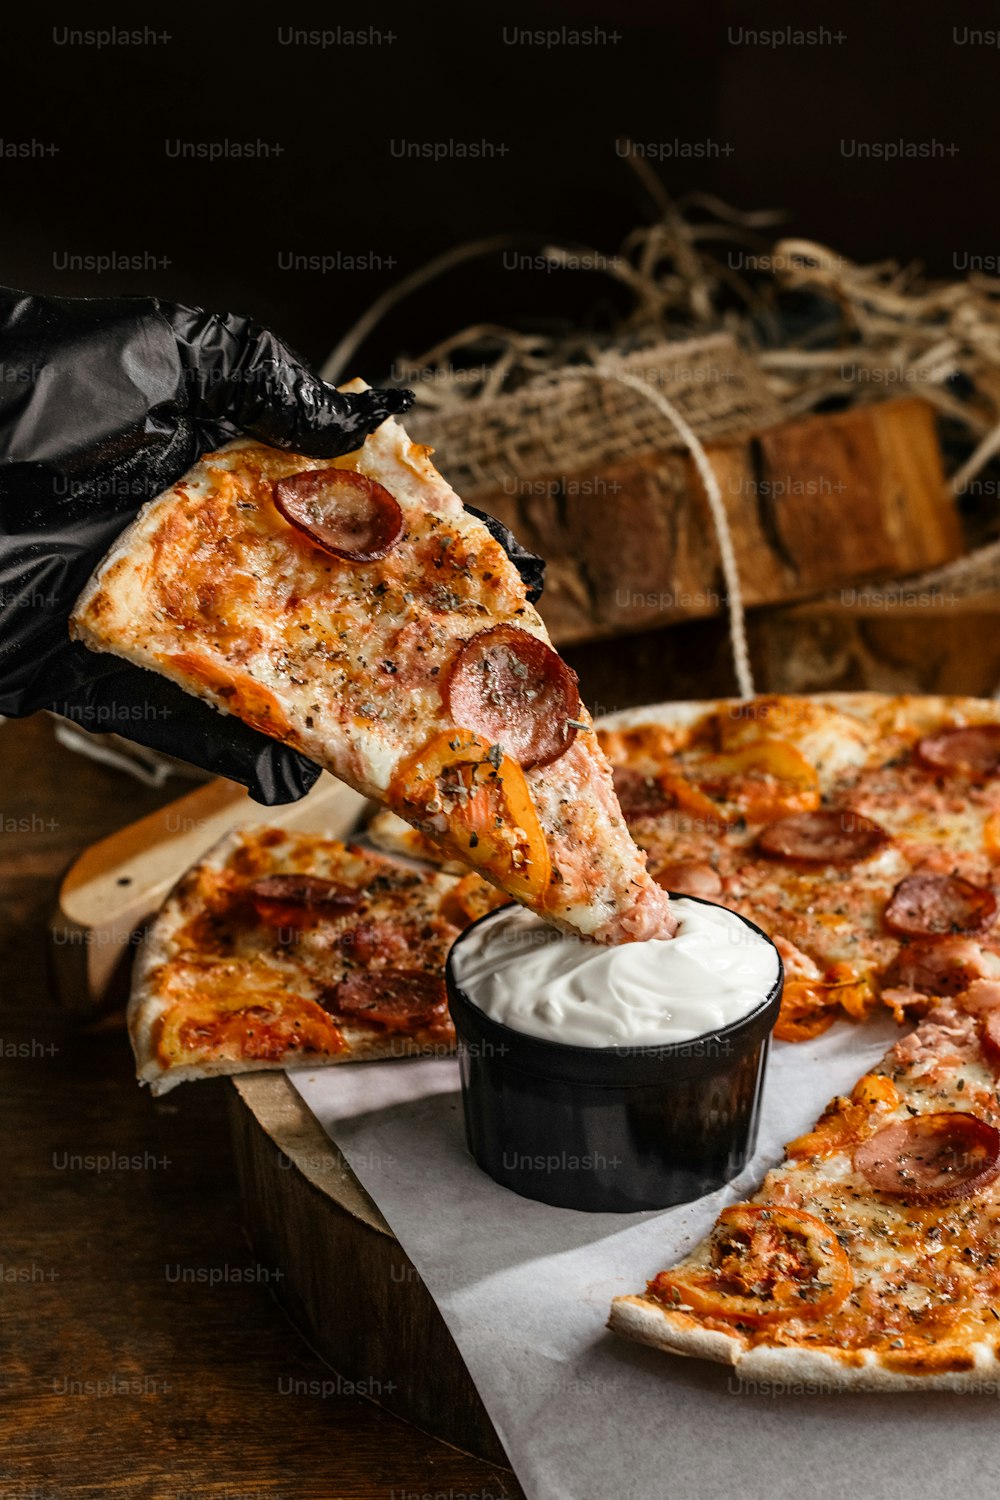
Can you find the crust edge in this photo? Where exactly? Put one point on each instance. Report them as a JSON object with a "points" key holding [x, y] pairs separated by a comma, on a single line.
{"points": [[769, 1365]]}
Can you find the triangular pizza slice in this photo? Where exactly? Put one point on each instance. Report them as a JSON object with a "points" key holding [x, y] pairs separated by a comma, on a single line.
{"points": [[356, 611], [870, 1258]]}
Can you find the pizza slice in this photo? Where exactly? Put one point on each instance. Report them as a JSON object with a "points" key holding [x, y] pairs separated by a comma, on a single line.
{"points": [[280, 949], [870, 1258], [356, 611]]}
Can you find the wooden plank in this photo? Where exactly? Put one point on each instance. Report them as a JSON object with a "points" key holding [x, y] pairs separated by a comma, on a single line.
{"points": [[117, 884], [811, 504]]}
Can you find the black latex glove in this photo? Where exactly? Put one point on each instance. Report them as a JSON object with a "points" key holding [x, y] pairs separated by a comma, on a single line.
{"points": [[104, 403]]}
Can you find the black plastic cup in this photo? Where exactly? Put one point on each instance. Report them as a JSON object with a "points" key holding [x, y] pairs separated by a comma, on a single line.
{"points": [[611, 1129]]}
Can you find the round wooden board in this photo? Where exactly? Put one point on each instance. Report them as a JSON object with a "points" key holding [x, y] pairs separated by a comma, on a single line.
{"points": [[347, 1283]]}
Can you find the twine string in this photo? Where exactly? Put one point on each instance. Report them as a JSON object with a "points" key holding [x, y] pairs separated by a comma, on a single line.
{"points": [[607, 370], [888, 330]]}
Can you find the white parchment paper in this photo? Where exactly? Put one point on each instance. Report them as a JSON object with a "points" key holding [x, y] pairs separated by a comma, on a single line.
{"points": [[525, 1290]]}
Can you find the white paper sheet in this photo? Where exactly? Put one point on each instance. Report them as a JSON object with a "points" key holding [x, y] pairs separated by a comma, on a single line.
{"points": [[525, 1290]]}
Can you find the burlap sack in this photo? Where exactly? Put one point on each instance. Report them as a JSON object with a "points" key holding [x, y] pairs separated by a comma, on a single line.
{"points": [[572, 420]]}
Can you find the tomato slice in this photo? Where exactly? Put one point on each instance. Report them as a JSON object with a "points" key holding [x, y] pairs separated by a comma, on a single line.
{"points": [[802, 1026], [991, 836], [767, 1264], [241, 694], [688, 795], [809, 1006], [471, 798], [847, 1120], [238, 1010], [761, 782]]}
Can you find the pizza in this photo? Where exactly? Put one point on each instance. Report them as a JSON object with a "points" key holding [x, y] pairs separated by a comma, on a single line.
{"points": [[354, 610], [387, 830], [869, 1258], [281, 949], [860, 831]]}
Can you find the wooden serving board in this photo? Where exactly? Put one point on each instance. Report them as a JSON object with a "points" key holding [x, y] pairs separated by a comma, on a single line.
{"points": [[347, 1284]]}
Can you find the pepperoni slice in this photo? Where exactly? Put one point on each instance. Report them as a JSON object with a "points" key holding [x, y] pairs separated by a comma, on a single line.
{"points": [[345, 513], [295, 900], [398, 999], [514, 689], [641, 795], [690, 877], [829, 836], [383, 940], [936, 1158], [936, 966], [932, 905], [971, 750]]}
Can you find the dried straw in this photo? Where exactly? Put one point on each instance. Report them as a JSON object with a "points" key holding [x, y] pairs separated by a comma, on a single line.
{"points": [[889, 330]]}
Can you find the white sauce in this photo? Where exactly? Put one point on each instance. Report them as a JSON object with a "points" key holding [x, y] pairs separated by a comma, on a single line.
{"points": [[528, 976]]}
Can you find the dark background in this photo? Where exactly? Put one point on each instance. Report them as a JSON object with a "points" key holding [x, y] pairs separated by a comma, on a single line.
{"points": [[674, 73], [109, 188]]}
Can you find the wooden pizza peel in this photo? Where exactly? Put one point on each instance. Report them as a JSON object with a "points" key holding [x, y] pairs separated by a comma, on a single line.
{"points": [[347, 1284]]}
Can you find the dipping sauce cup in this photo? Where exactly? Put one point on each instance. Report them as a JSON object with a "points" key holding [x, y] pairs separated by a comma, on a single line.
{"points": [[610, 1129]]}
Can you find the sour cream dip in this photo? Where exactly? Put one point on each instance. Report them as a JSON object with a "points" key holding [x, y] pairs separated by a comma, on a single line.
{"points": [[521, 972]]}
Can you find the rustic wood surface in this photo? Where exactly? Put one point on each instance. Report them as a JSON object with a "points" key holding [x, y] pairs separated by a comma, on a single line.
{"points": [[127, 1373], [811, 504]]}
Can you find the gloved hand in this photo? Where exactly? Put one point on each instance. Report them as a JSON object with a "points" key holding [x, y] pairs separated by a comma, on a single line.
{"points": [[104, 403]]}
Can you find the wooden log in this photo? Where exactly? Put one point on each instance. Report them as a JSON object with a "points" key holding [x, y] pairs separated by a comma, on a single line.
{"points": [[347, 1283], [811, 504]]}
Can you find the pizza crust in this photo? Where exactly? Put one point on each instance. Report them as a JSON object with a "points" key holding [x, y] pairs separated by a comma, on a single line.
{"points": [[362, 1050], [647, 1322], [918, 709]]}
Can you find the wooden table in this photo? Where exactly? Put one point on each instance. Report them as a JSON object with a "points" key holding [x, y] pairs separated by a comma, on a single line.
{"points": [[143, 1354]]}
